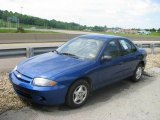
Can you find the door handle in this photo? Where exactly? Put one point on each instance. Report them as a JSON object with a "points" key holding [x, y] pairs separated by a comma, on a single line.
{"points": [[139, 56], [120, 63]]}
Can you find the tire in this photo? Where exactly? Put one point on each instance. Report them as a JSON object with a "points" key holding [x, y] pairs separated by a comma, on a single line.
{"points": [[78, 94], [137, 73]]}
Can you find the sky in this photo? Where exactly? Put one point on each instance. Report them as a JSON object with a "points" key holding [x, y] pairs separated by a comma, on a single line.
{"points": [[112, 13]]}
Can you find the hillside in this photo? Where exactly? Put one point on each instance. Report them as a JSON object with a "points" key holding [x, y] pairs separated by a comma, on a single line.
{"points": [[11, 19]]}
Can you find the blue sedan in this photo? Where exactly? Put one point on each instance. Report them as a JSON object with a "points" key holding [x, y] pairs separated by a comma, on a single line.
{"points": [[78, 67]]}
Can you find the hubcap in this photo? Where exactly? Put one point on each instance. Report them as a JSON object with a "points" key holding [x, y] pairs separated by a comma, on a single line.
{"points": [[138, 72], [80, 94]]}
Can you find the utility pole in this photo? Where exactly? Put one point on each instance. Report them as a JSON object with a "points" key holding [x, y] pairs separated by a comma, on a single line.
{"points": [[21, 15], [17, 22], [8, 22], [21, 9]]}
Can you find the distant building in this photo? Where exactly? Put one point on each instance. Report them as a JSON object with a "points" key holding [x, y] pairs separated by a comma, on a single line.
{"points": [[124, 31], [144, 32], [87, 30], [129, 31], [114, 30]]}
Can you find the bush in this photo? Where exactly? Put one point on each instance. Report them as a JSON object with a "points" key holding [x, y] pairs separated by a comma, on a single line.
{"points": [[20, 30]]}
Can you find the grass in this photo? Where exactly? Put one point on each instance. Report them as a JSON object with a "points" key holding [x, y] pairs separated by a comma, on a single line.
{"points": [[27, 31], [4, 24], [7, 31], [153, 34], [44, 32]]}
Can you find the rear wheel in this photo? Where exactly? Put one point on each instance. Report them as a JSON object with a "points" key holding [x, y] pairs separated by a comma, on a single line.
{"points": [[138, 73], [78, 94]]}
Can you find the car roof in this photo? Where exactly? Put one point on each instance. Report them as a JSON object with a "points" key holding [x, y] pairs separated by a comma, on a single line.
{"points": [[101, 37]]}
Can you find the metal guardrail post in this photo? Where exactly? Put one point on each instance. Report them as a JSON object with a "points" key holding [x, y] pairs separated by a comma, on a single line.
{"points": [[29, 52], [152, 48], [140, 45]]}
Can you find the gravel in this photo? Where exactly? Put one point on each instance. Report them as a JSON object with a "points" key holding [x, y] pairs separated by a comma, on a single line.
{"points": [[153, 60], [9, 100]]}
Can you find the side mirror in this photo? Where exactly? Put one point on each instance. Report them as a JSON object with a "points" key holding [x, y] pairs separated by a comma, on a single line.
{"points": [[106, 58]]}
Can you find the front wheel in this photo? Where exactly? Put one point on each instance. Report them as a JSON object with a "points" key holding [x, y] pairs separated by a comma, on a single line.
{"points": [[78, 94], [138, 73]]}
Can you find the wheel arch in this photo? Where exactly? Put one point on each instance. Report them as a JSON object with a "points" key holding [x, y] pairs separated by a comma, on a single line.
{"points": [[142, 63], [86, 78]]}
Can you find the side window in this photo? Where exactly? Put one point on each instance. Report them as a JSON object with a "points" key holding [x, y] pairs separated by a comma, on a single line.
{"points": [[127, 47], [112, 49]]}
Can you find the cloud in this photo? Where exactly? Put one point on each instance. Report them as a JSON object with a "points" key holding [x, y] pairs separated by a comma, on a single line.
{"points": [[121, 13]]}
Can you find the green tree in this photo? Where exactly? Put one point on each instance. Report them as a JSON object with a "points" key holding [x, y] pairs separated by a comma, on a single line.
{"points": [[99, 28], [31, 20], [153, 30]]}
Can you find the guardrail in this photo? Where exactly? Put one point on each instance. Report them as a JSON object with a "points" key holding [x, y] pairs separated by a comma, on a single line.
{"points": [[25, 52], [151, 46], [29, 52]]}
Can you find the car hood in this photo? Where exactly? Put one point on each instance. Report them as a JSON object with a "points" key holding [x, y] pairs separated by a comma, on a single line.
{"points": [[49, 64]]}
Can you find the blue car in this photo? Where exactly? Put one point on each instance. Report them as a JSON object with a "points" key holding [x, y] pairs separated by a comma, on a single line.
{"points": [[78, 67]]}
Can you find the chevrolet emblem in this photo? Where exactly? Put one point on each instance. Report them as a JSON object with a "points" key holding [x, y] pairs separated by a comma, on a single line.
{"points": [[19, 76]]}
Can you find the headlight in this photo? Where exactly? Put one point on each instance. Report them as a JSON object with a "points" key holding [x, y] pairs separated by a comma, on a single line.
{"points": [[43, 82], [15, 68]]}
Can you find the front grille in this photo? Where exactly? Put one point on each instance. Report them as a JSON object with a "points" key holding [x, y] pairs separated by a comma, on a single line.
{"points": [[22, 78], [24, 75]]}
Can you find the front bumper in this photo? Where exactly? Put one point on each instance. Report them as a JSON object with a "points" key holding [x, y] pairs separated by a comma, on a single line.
{"points": [[41, 95]]}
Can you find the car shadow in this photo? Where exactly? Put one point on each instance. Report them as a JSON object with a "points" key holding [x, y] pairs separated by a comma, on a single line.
{"points": [[100, 96]]}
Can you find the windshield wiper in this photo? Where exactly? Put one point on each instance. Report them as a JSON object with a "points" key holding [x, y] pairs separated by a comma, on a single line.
{"points": [[69, 54], [56, 51]]}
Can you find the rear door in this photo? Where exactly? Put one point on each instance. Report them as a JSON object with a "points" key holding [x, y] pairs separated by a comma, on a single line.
{"points": [[128, 53]]}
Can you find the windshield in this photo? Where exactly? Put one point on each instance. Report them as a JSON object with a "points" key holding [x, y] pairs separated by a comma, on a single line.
{"points": [[81, 48]]}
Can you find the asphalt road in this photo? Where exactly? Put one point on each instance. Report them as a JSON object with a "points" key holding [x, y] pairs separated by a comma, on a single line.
{"points": [[7, 64], [120, 101], [24, 45]]}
